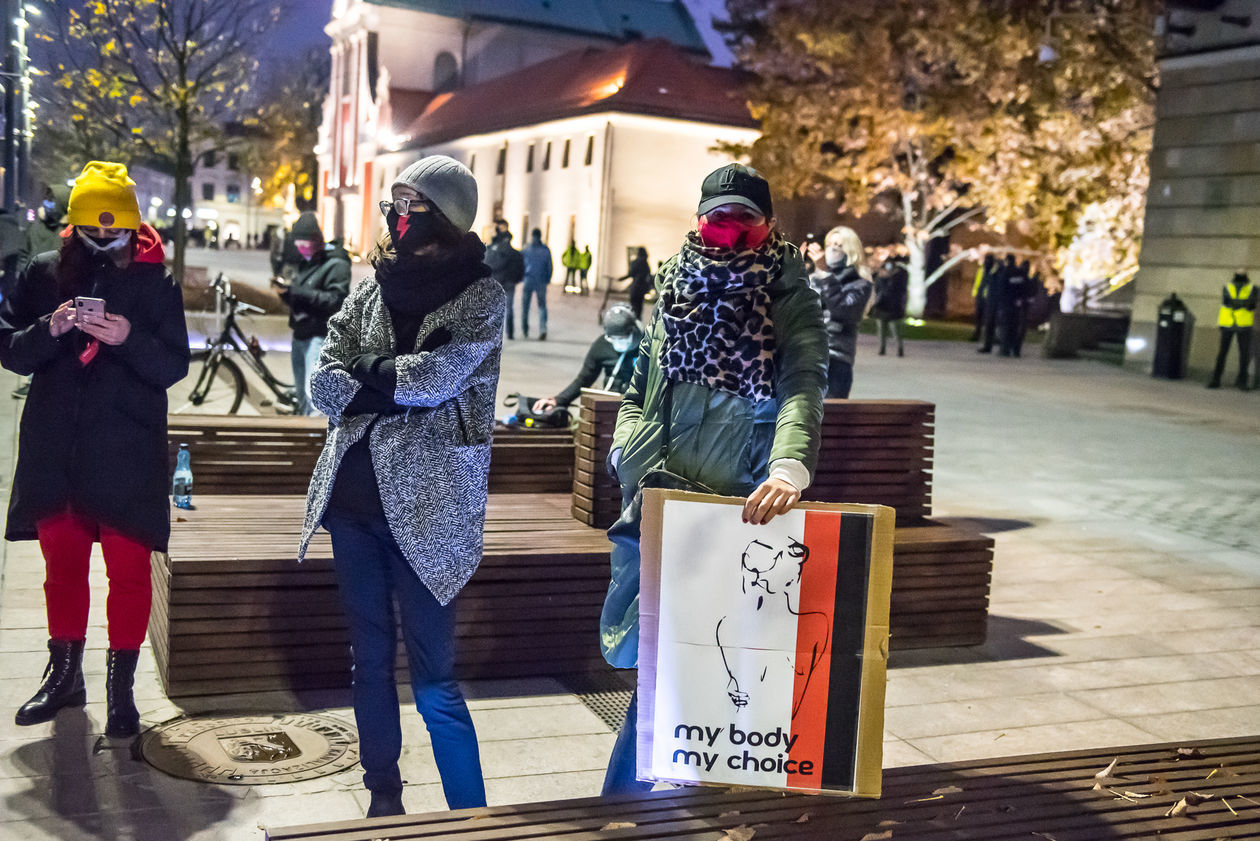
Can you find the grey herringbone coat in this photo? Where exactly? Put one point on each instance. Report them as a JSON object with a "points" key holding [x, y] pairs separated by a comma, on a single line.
{"points": [[432, 462]]}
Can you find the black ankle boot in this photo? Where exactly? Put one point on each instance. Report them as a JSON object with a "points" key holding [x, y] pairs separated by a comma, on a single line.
{"points": [[122, 718], [385, 804], [63, 684]]}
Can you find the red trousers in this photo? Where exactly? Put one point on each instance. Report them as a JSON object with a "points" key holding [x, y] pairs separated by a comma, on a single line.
{"points": [[66, 541]]}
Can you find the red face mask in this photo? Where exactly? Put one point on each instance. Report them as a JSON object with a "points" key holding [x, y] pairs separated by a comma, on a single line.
{"points": [[732, 234]]}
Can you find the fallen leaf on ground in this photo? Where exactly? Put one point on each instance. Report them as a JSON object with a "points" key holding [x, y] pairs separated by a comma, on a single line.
{"points": [[1135, 794], [1160, 782], [804, 818], [739, 833], [889, 823], [1189, 753], [1109, 771], [618, 825], [1045, 835], [1229, 807], [729, 814], [1182, 806], [948, 790], [961, 809], [877, 836]]}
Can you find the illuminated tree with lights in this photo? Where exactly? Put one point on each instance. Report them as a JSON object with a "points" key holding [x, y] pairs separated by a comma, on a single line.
{"points": [[1018, 114], [287, 126], [153, 80]]}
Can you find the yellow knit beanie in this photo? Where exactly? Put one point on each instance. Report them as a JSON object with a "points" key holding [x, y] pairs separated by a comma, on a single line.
{"points": [[104, 196]]}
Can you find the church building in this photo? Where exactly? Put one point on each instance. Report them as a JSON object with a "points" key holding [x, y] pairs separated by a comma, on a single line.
{"points": [[593, 121]]}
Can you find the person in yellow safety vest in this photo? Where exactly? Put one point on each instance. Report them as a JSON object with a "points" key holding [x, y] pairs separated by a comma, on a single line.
{"points": [[569, 259], [584, 266], [1237, 315]]}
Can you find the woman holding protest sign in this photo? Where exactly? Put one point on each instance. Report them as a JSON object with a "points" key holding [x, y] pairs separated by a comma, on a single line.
{"points": [[726, 397]]}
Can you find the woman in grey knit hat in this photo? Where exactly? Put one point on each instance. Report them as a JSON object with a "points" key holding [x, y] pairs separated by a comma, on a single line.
{"points": [[407, 378]]}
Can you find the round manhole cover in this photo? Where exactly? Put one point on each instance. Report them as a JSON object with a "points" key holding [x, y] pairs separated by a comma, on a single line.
{"points": [[252, 749]]}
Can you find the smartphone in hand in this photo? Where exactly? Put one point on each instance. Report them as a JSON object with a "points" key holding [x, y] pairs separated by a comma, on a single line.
{"points": [[89, 306]]}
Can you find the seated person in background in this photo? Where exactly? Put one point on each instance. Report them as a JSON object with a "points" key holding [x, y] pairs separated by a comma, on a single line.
{"points": [[610, 361]]}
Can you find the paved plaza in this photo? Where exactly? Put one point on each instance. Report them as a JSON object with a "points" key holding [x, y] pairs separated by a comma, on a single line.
{"points": [[1125, 606]]}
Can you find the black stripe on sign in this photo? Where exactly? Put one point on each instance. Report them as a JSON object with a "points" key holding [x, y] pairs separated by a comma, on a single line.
{"points": [[847, 638]]}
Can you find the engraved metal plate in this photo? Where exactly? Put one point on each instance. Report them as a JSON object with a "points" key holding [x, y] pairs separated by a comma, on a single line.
{"points": [[252, 749]]}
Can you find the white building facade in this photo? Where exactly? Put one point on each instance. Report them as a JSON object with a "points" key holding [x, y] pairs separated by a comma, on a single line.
{"points": [[572, 128]]}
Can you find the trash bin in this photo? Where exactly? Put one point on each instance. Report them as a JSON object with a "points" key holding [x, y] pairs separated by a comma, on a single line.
{"points": [[1173, 327]]}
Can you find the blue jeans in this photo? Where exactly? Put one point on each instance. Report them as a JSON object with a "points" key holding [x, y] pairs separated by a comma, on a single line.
{"points": [[539, 289], [371, 573], [305, 356], [620, 777]]}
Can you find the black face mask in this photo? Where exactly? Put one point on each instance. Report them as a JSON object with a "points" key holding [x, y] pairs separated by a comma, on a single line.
{"points": [[416, 231]]}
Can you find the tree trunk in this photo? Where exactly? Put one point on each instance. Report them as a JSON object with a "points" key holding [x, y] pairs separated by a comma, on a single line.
{"points": [[183, 196], [916, 266]]}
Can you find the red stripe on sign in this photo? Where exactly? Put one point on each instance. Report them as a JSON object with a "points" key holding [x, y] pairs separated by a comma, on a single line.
{"points": [[813, 648]]}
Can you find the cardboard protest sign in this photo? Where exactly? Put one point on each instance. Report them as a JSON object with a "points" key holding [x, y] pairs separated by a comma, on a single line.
{"points": [[762, 649]]}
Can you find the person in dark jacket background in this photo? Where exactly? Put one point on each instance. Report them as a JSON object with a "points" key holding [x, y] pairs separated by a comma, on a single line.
{"points": [[92, 459], [609, 361], [44, 234], [507, 266], [538, 270], [317, 291], [995, 302], [844, 283], [889, 307], [640, 274]]}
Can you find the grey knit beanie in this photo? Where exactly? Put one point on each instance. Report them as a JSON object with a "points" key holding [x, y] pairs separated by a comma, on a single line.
{"points": [[448, 184]]}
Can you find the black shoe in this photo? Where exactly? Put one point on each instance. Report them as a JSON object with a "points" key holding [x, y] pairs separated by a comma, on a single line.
{"points": [[881, 351], [122, 720], [1214, 384], [901, 352], [386, 803], [525, 332], [984, 350], [63, 684], [1242, 385], [542, 337]]}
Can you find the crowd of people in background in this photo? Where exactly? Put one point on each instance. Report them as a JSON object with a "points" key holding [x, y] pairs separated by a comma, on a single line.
{"points": [[1004, 291]]}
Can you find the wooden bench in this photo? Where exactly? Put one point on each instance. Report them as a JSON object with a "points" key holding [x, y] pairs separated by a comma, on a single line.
{"points": [[230, 584], [233, 611], [236, 454], [1031, 798], [873, 451]]}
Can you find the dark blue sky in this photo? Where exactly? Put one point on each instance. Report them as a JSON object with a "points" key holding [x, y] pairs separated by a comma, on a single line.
{"points": [[301, 27]]}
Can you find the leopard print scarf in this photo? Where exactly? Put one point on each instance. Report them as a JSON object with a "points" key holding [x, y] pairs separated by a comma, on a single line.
{"points": [[716, 314]]}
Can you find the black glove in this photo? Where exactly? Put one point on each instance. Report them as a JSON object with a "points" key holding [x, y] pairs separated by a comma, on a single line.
{"points": [[375, 371]]}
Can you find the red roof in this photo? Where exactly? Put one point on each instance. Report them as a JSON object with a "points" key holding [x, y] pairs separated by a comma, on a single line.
{"points": [[645, 77]]}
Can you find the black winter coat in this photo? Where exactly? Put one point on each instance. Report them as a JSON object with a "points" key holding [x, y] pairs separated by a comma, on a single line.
{"points": [[93, 437], [844, 298], [891, 289], [317, 292]]}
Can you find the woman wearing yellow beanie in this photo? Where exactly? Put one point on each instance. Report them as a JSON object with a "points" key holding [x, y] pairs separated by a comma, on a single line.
{"points": [[92, 453]]}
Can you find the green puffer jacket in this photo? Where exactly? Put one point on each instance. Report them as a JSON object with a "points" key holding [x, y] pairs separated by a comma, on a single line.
{"points": [[722, 440]]}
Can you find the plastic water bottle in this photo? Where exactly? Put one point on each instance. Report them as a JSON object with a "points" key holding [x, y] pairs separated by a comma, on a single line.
{"points": [[181, 487]]}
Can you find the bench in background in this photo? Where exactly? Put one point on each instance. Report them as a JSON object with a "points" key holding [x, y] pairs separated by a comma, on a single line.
{"points": [[239, 454]]}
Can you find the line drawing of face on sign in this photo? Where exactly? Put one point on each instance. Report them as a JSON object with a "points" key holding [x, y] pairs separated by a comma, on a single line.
{"points": [[769, 641]]}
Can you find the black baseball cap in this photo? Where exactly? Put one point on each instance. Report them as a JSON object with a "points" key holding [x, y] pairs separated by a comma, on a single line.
{"points": [[735, 184]]}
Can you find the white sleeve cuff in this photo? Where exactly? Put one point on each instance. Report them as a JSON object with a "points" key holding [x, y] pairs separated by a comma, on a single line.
{"points": [[794, 472]]}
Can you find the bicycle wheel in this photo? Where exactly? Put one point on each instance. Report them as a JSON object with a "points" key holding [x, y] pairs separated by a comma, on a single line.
{"points": [[215, 366]]}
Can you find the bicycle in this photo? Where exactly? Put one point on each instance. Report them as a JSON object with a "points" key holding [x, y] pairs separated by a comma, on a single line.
{"points": [[218, 359]]}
